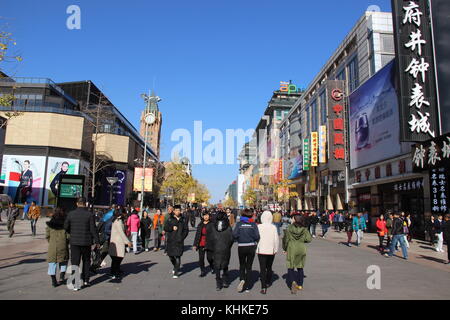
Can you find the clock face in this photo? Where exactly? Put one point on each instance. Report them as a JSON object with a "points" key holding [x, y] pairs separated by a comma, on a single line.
{"points": [[150, 118]]}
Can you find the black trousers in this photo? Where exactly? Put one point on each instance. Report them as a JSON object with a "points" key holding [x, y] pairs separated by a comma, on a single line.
{"points": [[83, 253], [115, 265], [157, 235], [201, 258], [265, 265], [221, 280], [246, 257], [176, 261]]}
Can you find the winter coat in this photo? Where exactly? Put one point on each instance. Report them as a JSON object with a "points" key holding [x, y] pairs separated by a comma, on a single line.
{"points": [[325, 220], [348, 224], [158, 221], [269, 240], [447, 231], [133, 223], [58, 241], [246, 233], [313, 220], [146, 227], [34, 212], [81, 227], [231, 220], [175, 239], [12, 213], [277, 217], [389, 225], [438, 226], [198, 235], [294, 240], [118, 239], [221, 240], [397, 227], [359, 224], [381, 227]]}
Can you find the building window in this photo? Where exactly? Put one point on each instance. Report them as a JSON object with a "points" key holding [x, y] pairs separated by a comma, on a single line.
{"points": [[341, 75], [353, 74], [278, 115], [314, 112], [308, 122], [323, 108]]}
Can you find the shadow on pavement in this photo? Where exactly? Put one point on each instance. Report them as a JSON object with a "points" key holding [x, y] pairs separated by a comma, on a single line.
{"points": [[28, 261], [432, 259], [24, 255], [429, 248]]}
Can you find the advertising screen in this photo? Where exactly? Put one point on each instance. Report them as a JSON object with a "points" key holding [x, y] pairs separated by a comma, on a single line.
{"points": [[72, 191], [57, 167]]}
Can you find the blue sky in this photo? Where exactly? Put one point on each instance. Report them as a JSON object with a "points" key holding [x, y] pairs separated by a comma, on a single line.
{"points": [[214, 61]]}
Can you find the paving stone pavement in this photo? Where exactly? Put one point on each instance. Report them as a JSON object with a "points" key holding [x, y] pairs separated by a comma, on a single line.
{"points": [[333, 270]]}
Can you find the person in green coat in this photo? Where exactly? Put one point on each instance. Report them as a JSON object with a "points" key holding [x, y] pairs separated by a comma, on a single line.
{"points": [[294, 239], [58, 249]]}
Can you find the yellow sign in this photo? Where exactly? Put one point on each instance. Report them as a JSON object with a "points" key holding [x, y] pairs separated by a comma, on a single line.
{"points": [[323, 144], [314, 149], [137, 183], [191, 197]]}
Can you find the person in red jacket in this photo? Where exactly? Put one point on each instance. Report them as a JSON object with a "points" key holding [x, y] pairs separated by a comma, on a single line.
{"points": [[382, 231], [134, 224]]}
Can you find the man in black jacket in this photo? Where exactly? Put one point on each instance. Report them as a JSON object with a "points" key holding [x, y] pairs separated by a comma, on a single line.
{"points": [[203, 245], [176, 230], [83, 233], [398, 236]]}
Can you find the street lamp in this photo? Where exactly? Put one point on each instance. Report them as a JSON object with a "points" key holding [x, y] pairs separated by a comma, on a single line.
{"points": [[111, 181], [149, 119]]}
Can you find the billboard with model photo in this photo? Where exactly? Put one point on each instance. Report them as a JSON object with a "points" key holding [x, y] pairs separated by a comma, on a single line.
{"points": [[22, 178], [57, 167], [374, 120]]}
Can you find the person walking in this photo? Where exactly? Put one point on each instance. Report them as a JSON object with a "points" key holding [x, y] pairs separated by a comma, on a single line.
{"points": [[246, 233], [168, 214], [146, 230], [176, 231], [439, 231], [381, 231], [397, 237], [294, 239], [11, 215], [348, 227], [158, 229], [80, 226], [58, 246], [277, 221], [429, 230], [202, 245], [26, 208], [447, 236], [314, 220], [266, 249], [325, 223], [221, 240], [34, 214], [389, 225], [117, 244], [133, 225], [230, 217], [341, 219], [359, 226]]}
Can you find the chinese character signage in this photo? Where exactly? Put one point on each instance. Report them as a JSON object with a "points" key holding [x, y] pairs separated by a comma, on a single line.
{"points": [[323, 144], [431, 154], [288, 87], [314, 149], [336, 125], [438, 188], [306, 163], [414, 49]]}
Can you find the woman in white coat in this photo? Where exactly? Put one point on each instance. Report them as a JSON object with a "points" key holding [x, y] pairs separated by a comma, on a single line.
{"points": [[267, 248], [117, 245]]}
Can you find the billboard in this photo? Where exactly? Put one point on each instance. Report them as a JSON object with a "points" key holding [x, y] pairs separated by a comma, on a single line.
{"points": [[374, 118], [22, 177], [314, 149], [323, 144], [137, 184], [336, 125], [57, 167], [293, 168]]}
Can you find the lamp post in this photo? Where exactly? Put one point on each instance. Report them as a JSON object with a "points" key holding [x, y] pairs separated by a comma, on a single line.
{"points": [[149, 119], [111, 181]]}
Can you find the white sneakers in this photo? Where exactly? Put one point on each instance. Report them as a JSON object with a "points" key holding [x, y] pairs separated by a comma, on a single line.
{"points": [[240, 287]]}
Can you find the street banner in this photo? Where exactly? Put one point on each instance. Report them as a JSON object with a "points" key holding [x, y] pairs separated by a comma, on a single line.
{"points": [[314, 149], [137, 183], [306, 151], [323, 144]]}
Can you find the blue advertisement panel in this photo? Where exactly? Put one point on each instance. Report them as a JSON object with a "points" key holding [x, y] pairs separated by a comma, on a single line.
{"points": [[293, 168], [119, 188], [374, 120]]}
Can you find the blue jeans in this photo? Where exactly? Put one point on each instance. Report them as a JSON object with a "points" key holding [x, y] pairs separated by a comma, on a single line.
{"points": [[312, 229], [398, 238], [52, 267], [278, 225], [33, 226], [324, 229]]}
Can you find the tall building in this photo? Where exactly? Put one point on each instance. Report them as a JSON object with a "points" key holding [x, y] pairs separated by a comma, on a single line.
{"points": [[154, 130]]}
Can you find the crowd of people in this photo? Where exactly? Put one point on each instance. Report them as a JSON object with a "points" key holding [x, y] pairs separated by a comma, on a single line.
{"points": [[82, 236]]}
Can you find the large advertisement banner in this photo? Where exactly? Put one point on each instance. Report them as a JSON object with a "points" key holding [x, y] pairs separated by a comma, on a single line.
{"points": [[323, 144], [293, 168], [57, 167], [137, 184], [314, 149], [22, 178], [374, 118]]}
